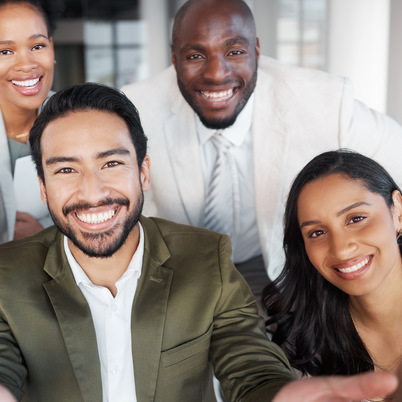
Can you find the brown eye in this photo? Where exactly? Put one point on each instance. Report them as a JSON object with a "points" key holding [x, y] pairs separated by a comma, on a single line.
{"points": [[356, 219]]}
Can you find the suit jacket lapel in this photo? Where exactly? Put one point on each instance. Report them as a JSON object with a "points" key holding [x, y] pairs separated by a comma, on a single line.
{"points": [[270, 147], [149, 312], [75, 320], [185, 158]]}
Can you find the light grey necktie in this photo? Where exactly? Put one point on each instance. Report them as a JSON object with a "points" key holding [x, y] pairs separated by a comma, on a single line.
{"points": [[219, 198]]}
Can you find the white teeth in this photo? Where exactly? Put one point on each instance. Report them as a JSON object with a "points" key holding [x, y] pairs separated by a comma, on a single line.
{"points": [[96, 218], [221, 95], [354, 268], [26, 83]]}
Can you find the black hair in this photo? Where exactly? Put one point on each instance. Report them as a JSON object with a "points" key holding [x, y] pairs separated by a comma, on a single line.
{"points": [[85, 97], [308, 316], [50, 9]]}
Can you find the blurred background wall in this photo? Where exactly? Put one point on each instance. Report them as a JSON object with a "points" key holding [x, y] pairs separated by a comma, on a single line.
{"points": [[121, 41]]}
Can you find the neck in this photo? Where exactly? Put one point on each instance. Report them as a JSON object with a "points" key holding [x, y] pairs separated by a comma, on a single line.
{"points": [[107, 271], [18, 122]]}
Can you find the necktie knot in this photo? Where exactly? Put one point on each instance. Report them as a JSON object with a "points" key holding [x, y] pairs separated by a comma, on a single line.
{"points": [[221, 144]]}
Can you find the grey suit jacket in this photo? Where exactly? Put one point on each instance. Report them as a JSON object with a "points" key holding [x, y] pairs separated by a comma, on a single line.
{"points": [[192, 312], [297, 114]]}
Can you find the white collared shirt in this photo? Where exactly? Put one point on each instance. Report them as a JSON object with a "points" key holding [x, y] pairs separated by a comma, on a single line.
{"points": [[112, 321], [245, 241]]}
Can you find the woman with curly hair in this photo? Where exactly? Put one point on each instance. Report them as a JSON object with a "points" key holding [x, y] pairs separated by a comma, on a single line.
{"points": [[336, 308]]}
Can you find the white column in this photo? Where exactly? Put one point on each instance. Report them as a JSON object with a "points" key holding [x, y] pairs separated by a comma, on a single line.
{"points": [[395, 63], [358, 45], [155, 14]]}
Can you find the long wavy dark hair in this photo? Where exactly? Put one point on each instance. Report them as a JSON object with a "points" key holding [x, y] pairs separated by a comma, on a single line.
{"points": [[308, 316]]}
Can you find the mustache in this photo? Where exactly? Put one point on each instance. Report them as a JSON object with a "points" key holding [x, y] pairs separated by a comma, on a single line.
{"points": [[80, 206]]}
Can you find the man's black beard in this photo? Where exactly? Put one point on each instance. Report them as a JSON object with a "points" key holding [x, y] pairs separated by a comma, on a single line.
{"points": [[103, 248]]}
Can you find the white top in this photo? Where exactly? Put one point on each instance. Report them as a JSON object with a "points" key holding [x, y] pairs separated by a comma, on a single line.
{"points": [[245, 241], [112, 321]]}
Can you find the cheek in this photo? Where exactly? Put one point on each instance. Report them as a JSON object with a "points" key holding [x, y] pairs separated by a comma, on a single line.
{"points": [[317, 255]]}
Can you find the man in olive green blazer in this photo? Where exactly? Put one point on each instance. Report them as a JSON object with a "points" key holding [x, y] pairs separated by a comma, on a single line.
{"points": [[191, 307]]}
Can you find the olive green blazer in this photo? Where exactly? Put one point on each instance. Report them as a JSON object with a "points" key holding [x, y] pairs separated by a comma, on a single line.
{"points": [[192, 312]]}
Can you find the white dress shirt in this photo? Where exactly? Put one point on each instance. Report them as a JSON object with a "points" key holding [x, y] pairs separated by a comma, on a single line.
{"points": [[245, 240], [112, 320]]}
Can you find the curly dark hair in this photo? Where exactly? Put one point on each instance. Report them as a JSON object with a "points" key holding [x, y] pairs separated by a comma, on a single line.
{"points": [[308, 316], [50, 9]]}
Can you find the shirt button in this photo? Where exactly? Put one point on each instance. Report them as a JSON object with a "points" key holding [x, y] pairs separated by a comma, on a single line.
{"points": [[114, 370], [113, 307]]}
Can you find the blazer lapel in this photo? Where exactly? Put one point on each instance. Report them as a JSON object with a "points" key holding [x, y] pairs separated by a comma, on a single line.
{"points": [[149, 312], [75, 320], [185, 159], [270, 147]]}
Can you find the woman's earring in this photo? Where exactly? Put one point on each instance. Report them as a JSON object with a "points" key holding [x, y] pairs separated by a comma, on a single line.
{"points": [[399, 237]]}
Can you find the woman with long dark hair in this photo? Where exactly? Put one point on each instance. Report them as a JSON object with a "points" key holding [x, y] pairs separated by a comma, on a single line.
{"points": [[336, 308]]}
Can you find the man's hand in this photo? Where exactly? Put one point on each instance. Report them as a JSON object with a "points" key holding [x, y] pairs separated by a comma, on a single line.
{"points": [[6, 395], [26, 225], [339, 389]]}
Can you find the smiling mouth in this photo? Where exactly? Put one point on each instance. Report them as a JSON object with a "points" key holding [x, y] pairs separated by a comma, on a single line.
{"points": [[218, 96], [96, 218], [26, 83], [355, 267]]}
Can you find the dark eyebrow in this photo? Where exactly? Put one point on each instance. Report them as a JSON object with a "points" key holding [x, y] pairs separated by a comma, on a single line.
{"points": [[111, 152], [235, 41], [356, 204], [192, 47], [38, 36], [341, 212], [307, 223], [60, 159]]}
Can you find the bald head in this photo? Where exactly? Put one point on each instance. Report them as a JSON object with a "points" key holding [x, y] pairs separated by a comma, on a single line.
{"points": [[208, 8]]}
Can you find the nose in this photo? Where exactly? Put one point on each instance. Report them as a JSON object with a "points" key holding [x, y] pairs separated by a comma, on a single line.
{"points": [[342, 246], [217, 69], [25, 62], [92, 188]]}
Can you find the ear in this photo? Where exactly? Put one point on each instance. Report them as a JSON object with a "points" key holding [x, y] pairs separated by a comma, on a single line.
{"points": [[145, 174], [397, 209], [173, 55], [257, 48], [43, 193]]}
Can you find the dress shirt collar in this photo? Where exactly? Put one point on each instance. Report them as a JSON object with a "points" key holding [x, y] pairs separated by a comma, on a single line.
{"points": [[135, 265], [236, 133]]}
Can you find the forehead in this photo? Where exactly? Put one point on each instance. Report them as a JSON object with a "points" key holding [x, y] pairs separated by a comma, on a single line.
{"points": [[21, 15], [206, 21], [330, 194], [86, 133]]}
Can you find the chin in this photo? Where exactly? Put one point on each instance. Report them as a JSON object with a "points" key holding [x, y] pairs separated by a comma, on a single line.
{"points": [[218, 124]]}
